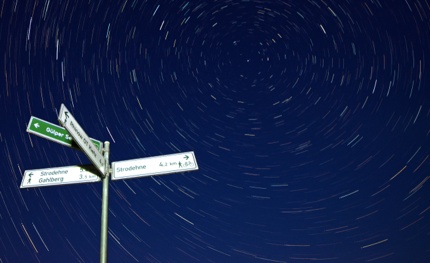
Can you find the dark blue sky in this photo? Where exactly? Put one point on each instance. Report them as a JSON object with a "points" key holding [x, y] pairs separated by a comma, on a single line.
{"points": [[310, 122]]}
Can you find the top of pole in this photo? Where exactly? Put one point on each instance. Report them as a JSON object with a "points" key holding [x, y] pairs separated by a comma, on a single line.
{"points": [[106, 151]]}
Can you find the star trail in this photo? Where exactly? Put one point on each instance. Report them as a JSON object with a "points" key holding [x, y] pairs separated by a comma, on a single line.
{"points": [[309, 120]]}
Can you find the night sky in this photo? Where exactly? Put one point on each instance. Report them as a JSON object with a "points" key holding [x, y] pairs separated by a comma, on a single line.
{"points": [[309, 120]]}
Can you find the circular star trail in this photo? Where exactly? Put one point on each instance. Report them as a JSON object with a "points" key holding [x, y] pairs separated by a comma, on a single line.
{"points": [[309, 121]]}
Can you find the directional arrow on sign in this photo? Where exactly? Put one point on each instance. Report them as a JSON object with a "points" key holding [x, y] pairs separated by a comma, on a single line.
{"points": [[66, 113]]}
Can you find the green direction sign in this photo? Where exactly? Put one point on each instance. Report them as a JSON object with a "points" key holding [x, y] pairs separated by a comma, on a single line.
{"points": [[54, 133]]}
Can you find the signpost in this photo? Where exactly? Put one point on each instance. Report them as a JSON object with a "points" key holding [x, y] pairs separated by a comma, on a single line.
{"points": [[59, 176], [54, 133], [72, 132], [82, 139], [156, 165]]}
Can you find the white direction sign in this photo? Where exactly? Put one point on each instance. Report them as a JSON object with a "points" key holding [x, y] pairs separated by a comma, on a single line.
{"points": [[156, 165], [81, 138], [59, 176]]}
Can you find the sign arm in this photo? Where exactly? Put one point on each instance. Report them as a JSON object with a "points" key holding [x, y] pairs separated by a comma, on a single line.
{"points": [[81, 138]]}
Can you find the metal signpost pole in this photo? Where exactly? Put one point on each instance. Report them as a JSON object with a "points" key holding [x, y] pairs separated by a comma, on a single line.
{"points": [[105, 209]]}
